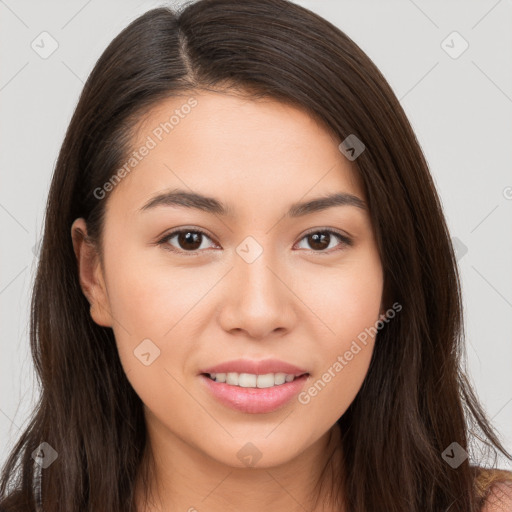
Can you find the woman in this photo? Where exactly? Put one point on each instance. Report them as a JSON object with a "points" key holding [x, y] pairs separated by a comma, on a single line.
{"points": [[304, 352]]}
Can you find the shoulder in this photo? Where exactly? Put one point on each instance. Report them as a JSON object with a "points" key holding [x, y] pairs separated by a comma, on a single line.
{"points": [[494, 488], [499, 498]]}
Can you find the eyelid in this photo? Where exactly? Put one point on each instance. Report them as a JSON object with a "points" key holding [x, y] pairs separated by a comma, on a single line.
{"points": [[344, 236], [345, 239]]}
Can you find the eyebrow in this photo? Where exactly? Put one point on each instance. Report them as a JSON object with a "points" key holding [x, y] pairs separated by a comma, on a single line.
{"points": [[182, 198]]}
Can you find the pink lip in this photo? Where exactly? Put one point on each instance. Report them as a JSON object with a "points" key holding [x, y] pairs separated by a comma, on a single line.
{"points": [[254, 400], [255, 367]]}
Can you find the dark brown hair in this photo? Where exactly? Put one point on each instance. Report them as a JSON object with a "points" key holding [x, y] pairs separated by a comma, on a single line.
{"points": [[415, 400]]}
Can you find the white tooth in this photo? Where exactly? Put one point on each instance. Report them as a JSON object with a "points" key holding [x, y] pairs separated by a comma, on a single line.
{"points": [[232, 378], [265, 381], [280, 378], [247, 380], [250, 380], [212, 375]]}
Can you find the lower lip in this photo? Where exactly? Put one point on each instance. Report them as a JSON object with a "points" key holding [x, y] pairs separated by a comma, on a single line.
{"points": [[255, 400]]}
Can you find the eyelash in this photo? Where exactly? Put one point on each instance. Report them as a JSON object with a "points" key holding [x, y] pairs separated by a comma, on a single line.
{"points": [[345, 241]]}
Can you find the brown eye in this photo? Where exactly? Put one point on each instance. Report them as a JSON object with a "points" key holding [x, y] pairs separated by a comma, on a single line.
{"points": [[187, 240], [319, 241]]}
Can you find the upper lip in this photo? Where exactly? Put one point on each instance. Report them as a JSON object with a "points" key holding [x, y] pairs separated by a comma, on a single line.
{"points": [[255, 367]]}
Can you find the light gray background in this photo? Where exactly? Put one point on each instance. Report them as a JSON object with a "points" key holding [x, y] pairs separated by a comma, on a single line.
{"points": [[459, 107]]}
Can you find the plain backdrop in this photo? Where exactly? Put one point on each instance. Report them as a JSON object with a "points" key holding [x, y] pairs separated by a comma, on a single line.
{"points": [[455, 88]]}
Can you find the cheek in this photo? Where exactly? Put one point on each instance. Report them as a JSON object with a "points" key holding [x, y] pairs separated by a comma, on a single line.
{"points": [[157, 310], [150, 297], [345, 298], [347, 301]]}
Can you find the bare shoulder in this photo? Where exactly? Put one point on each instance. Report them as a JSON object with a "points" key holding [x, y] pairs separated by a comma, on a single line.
{"points": [[500, 498], [495, 488]]}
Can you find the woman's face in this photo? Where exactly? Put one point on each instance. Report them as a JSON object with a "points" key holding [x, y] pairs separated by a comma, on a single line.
{"points": [[265, 281]]}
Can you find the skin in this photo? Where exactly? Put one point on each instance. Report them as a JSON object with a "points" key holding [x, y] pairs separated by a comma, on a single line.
{"points": [[295, 302], [500, 498]]}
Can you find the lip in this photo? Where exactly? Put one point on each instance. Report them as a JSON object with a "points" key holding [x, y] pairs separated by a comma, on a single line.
{"points": [[255, 367], [254, 400]]}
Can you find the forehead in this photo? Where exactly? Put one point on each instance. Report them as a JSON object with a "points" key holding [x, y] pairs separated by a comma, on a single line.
{"points": [[248, 152]]}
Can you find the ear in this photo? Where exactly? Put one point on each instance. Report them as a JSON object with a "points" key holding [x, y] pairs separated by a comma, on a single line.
{"points": [[90, 274]]}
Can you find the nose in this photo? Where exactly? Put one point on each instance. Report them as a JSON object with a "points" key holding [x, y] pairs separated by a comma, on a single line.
{"points": [[257, 298]]}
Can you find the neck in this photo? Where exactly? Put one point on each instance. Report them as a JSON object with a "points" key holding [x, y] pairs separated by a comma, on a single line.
{"points": [[182, 478]]}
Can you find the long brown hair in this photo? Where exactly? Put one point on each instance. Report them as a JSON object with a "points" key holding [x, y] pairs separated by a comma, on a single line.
{"points": [[415, 401]]}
